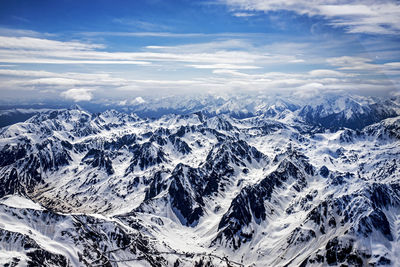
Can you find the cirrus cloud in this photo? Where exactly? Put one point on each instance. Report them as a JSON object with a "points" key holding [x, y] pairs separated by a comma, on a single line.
{"points": [[356, 16]]}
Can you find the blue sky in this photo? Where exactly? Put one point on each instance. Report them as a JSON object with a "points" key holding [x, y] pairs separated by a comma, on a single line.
{"points": [[117, 51]]}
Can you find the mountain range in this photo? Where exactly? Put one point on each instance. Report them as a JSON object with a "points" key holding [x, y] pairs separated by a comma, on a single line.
{"points": [[204, 182]]}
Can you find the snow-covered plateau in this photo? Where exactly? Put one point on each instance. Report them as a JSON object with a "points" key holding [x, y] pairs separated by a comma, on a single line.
{"points": [[231, 183]]}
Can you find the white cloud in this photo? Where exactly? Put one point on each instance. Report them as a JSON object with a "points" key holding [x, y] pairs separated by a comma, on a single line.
{"points": [[223, 66], [138, 100], [353, 63], [392, 69], [328, 73], [164, 34], [309, 83], [394, 65], [230, 72], [78, 94], [45, 80], [31, 43], [357, 16], [229, 52], [366, 65], [123, 103], [44, 74], [53, 82], [21, 32], [243, 14], [306, 93], [27, 73], [140, 24]]}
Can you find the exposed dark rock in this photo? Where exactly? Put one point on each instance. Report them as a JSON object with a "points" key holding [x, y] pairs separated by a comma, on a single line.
{"points": [[144, 156], [324, 171], [99, 159]]}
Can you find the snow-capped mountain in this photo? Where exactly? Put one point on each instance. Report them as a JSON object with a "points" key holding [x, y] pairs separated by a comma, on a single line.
{"points": [[329, 111], [233, 182], [11, 116]]}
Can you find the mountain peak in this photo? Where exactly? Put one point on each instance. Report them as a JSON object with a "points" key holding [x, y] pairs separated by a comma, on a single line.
{"points": [[75, 107]]}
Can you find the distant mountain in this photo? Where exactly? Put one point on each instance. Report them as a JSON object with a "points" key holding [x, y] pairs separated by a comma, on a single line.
{"points": [[11, 116], [329, 111], [232, 182], [350, 112]]}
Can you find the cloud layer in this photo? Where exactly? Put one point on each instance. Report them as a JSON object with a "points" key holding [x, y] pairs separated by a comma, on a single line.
{"points": [[356, 16], [217, 66]]}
